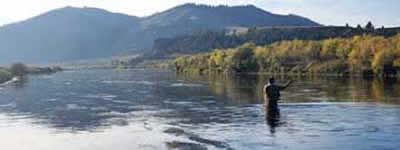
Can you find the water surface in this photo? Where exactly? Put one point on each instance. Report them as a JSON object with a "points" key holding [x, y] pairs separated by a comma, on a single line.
{"points": [[156, 109]]}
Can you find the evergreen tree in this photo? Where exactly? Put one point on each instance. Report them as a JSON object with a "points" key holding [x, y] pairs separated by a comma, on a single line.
{"points": [[359, 27], [369, 26]]}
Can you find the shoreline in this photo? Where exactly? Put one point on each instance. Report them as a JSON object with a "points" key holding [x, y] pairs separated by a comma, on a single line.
{"points": [[7, 77], [347, 75], [13, 80]]}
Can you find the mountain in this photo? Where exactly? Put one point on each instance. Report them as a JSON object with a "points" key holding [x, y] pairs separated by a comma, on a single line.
{"points": [[219, 17], [64, 34], [190, 18], [69, 33]]}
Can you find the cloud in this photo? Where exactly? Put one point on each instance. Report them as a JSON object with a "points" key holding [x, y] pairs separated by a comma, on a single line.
{"points": [[4, 20]]}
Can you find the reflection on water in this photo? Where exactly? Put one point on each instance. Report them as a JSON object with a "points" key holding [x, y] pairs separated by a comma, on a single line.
{"points": [[246, 88], [273, 119], [153, 109]]}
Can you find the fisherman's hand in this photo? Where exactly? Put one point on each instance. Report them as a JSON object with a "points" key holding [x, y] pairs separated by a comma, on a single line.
{"points": [[289, 83]]}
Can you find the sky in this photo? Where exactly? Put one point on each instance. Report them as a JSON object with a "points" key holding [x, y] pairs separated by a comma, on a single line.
{"points": [[327, 12]]}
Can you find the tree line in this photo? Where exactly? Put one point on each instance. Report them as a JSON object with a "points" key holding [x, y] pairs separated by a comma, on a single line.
{"points": [[207, 41], [365, 55]]}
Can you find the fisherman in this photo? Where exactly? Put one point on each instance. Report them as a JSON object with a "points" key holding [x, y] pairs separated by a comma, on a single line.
{"points": [[271, 98]]}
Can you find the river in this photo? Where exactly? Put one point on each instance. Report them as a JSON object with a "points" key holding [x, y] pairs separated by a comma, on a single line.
{"points": [[157, 109]]}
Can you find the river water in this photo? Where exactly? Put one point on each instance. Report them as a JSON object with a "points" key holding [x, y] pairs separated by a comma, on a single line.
{"points": [[157, 109]]}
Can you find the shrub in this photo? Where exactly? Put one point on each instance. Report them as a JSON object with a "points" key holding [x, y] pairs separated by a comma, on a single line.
{"points": [[5, 75], [382, 58], [18, 69]]}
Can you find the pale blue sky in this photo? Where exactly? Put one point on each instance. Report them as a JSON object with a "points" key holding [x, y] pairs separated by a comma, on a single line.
{"points": [[328, 12]]}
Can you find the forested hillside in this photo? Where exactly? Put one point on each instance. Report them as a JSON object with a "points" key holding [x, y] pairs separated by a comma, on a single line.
{"points": [[207, 41]]}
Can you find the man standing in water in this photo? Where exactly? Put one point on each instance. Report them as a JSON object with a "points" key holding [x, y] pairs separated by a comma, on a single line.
{"points": [[271, 98]]}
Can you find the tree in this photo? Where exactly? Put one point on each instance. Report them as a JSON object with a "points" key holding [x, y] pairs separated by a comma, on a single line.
{"points": [[370, 26], [18, 69], [329, 48], [5, 75], [382, 58]]}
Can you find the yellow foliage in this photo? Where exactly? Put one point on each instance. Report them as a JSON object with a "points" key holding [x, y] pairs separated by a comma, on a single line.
{"points": [[360, 53], [260, 51], [329, 48], [396, 43], [396, 62], [344, 48], [383, 57]]}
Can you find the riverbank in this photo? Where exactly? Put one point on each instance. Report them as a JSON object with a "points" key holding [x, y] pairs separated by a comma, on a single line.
{"points": [[10, 75], [13, 80], [44, 70], [366, 56], [5, 75]]}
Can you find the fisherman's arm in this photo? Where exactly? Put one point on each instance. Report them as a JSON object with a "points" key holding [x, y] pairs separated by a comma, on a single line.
{"points": [[286, 85]]}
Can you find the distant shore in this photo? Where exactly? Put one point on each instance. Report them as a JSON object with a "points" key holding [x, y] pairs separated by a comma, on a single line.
{"points": [[365, 56], [14, 79], [13, 73]]}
